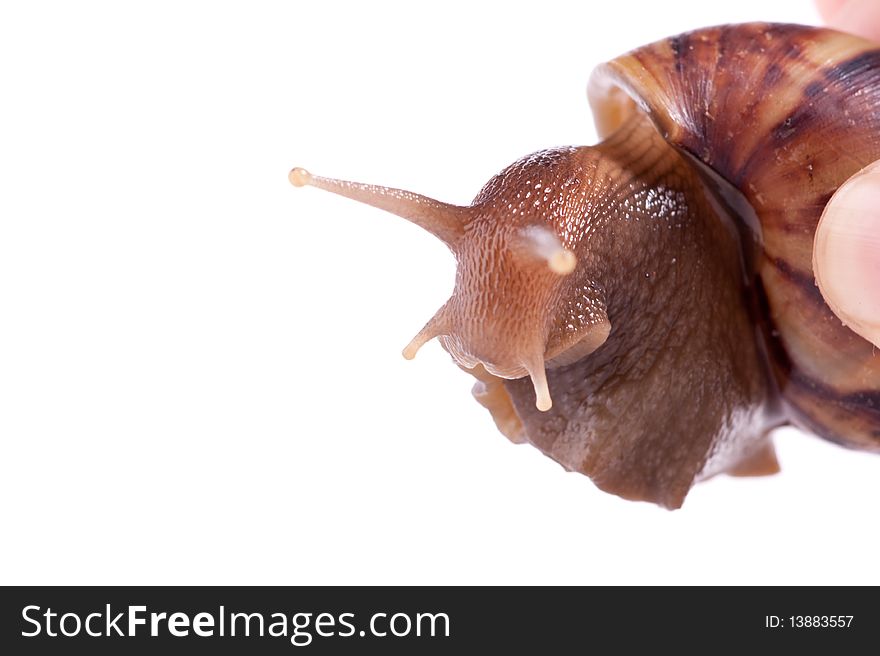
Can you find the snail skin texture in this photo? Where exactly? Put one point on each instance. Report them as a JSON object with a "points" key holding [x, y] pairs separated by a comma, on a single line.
{"points": [[644, 311]]}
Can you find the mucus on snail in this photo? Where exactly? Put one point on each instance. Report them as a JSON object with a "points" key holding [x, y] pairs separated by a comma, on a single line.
{"points": [[644, 310]]}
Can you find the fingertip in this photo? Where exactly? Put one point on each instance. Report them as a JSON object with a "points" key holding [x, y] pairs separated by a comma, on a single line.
{"points": [[828, 8], [859, 17], [846, 253]]}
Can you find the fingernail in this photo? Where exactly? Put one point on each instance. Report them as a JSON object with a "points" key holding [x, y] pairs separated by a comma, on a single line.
{"points": [[846, 253]]}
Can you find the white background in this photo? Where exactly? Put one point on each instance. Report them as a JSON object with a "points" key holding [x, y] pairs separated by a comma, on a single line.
{"points": [[200, 370]]}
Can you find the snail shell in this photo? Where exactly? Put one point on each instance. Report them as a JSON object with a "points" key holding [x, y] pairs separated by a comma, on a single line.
{"points": [[785, 114], [644, 311]]}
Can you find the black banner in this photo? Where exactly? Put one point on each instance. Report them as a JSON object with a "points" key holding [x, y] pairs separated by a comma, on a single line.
{"points": [[418, 620]]}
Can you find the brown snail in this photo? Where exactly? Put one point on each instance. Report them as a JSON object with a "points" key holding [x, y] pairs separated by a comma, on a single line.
{"points": [[644, 311]]}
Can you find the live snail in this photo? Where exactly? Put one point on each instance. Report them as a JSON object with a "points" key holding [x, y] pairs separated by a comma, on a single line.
{"points": [[644, 311]]}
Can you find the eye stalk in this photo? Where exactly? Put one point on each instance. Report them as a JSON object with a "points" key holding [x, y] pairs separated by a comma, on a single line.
{"points": [[444, 221]]}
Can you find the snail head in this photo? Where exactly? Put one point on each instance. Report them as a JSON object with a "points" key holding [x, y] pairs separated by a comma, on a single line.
{"points": [[516, 265]]}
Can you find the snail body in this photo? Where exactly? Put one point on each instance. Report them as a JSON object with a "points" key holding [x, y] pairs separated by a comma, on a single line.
{"points": [[644, 311]]}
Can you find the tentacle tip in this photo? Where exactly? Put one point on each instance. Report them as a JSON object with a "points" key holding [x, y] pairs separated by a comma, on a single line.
{"points": [[299, 177], [543, 403], [562, 262], [409, 352]]}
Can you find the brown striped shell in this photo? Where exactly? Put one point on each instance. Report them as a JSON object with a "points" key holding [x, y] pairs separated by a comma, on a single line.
{"points": [[644, 311]]}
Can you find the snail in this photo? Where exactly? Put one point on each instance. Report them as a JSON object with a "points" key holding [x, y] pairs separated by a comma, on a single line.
{"points": [[644, 311]]}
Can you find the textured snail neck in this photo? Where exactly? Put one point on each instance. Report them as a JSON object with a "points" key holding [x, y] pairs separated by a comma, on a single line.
{"points": [[642, 195], [667, 268]]}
